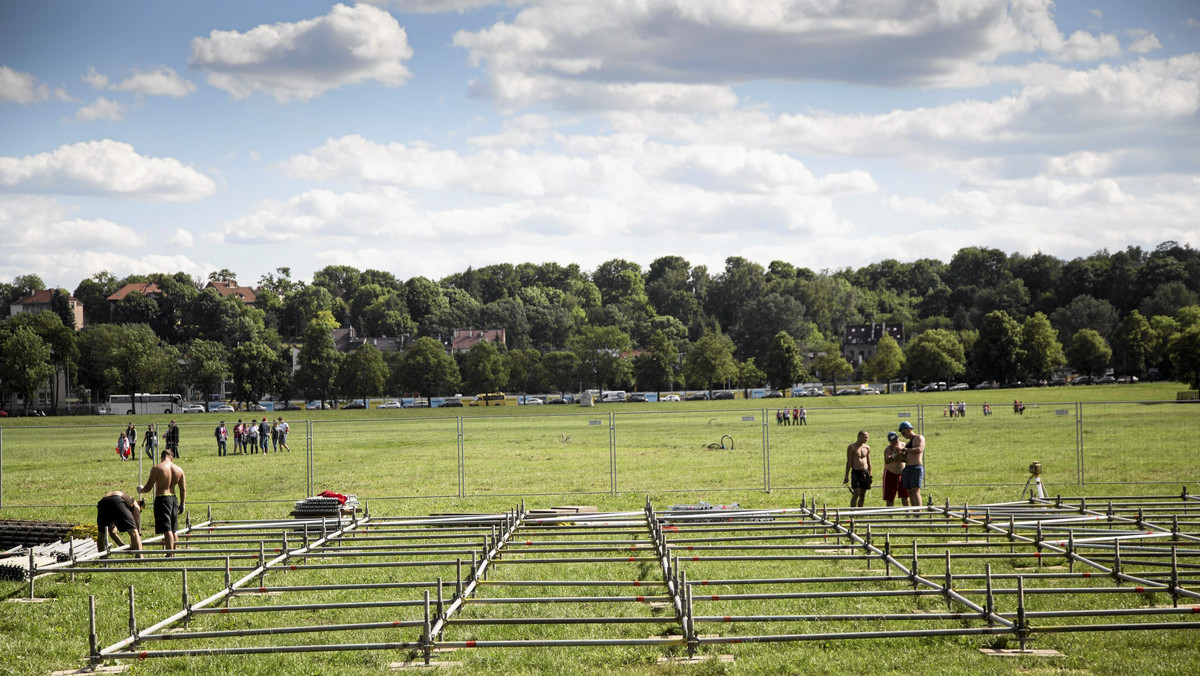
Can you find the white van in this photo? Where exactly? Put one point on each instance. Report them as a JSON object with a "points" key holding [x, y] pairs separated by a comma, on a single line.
{"points": [[613, 397]]}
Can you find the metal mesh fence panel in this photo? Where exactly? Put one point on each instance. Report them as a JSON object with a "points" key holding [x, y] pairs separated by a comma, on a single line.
{"points": [[689, 450], [412, 457], [1110, 428], [997, 449], [536, 454]]}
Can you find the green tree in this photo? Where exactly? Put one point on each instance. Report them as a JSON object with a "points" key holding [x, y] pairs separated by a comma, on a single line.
{"points": [[319, 360], [1088, 352], [784, 364], [428, 370], [887, 362], [25, 362], [126, 359], [1131, 342], [831, 366], [709, 363], [935, 355], [63, 343], [362, 374], [601, 354], [1184, 350], [562, 369], [484, 368], [749, 375], [205, 366], [258, 370], [997, 351], [1085, 312], [654, 369], [93, 293], [1041, 352]]}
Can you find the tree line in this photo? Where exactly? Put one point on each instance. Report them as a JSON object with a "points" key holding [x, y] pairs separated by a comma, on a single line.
{"points": [[984, 315]]}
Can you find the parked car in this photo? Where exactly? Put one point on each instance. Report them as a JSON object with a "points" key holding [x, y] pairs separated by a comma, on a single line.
{"points": [[34, 413], [697, 396], [219, 407], [959, 386], [316, 405], [193, 408], [870, 390], [669, 397], [812, 392], [1106, 380], [723, 395], [986, 385], [1082, 380], [557, 400], [636, 397], [289, 407], [533, 401], [420, 403], [357, 404], [776, 394], [1057, 382], [933, 387], [452, 402], [391, 404], [847, 392], [3, 413], [257, 408]]}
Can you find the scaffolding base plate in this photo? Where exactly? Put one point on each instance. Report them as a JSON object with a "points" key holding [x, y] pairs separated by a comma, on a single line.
{"points": [[1014, 652], [102, 669], [698, 659], [420, 664], [28, 600]]}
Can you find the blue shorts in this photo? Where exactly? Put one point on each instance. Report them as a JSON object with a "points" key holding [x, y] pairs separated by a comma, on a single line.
{"points": [[913, 476]]}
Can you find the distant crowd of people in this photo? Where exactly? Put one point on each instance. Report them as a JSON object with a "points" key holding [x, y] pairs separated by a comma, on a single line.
{"points": [[251, 437], [797, 416]]}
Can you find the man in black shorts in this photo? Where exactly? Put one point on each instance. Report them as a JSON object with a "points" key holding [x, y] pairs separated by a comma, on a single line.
{"points": [[117, 512], [164, 478], [858, 469]]}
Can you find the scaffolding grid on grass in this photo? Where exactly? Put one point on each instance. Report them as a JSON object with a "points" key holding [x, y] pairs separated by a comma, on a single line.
{"points": [[642, 578]]}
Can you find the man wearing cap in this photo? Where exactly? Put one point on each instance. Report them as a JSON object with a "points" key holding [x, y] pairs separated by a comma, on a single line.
{"points": [[893, 467], [858, 469], [913, 454]]}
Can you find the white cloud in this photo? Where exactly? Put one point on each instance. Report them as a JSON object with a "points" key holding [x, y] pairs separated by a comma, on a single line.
{"points": [[105, 168], [181, 239], [102, 109], [1143, 41], [684, 54], [302, 60], [22, 88], [433, 6], [161, 81], [34, 224], [94, 79]]}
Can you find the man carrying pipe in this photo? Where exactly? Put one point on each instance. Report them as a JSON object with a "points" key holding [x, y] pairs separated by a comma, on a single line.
{"points": [[163, 479], [893, 468]]}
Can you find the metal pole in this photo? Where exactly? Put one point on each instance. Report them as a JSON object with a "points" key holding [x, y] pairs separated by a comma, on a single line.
{"points": [[1079, 438], [766, 443], [93, 643], [1, 467], [612, 449]]}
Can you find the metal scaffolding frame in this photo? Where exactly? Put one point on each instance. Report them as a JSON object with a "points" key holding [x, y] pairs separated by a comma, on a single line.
{"points": [[847, 573]]}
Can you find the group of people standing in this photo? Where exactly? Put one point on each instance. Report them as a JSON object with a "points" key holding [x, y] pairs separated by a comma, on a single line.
{"points": [[798, 416], [251, 437], [903, 467], [954, 410], [127, 441]]}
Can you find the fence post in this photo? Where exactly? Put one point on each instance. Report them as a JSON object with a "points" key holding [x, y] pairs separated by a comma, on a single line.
{"points": [[1, 467], [1079, 442], [612, 450], [462, 457], [766, 442], [308, 431]]}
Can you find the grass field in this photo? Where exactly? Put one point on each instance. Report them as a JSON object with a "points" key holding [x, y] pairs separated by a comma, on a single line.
{"points": [[409, 461]]}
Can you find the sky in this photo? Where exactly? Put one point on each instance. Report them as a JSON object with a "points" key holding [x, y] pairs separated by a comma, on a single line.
{"points": [[423, 137]]}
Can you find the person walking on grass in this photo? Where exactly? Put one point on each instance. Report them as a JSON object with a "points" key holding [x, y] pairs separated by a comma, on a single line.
{"points": [[252, 437], [164, 478], [858, 469], [264, 435], [171, 438], [913, 476], [117, 512], [150, 442], [222, 435]]}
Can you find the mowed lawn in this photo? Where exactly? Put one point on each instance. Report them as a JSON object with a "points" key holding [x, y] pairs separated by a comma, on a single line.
{"points": [[418, 461]]}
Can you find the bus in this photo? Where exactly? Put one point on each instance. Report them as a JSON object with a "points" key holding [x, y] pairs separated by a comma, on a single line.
{"points": [[119, 404]]}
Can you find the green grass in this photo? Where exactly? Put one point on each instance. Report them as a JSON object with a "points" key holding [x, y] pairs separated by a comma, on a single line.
{"points": [[57, 468]]}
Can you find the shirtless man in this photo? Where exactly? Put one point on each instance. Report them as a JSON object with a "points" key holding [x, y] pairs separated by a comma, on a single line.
{"points": [[119, 512], [163, 479], [893, 467], [858, 469], [913, 455]]}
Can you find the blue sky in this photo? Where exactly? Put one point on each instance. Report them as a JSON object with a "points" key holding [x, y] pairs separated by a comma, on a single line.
{"points": [[425, 136]]}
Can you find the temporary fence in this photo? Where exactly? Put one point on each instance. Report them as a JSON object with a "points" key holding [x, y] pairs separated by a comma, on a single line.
{"points": [[675, 578], [614, 450]]}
